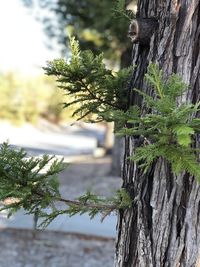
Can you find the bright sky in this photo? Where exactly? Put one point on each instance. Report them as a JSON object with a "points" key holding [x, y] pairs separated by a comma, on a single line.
{"points": [[22, 47]]}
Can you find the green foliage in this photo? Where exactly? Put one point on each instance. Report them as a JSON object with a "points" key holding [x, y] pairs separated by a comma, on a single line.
{"points": [[123, 199], [86, 78], [26, 99], [121, 12], [163, 128], [91, 204], [98, 204], [120, 6], [27, 182], [168, 129], [32, 184]]}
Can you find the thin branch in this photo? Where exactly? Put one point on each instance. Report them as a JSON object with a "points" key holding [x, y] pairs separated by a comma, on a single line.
{"points": [[83, 116], [88, 205], [98, 98], [81, 204], [122, 14]]}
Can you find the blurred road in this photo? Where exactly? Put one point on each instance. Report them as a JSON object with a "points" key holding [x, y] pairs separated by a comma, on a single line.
{"points": [[76, 224], [52, 139]]}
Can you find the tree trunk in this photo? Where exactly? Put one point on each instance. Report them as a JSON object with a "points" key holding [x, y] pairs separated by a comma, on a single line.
{"points": [[162, 229], [117, 156]]}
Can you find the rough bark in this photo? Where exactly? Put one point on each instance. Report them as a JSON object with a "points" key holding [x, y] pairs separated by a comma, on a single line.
{"points": [[117, 156], [162, 229]]}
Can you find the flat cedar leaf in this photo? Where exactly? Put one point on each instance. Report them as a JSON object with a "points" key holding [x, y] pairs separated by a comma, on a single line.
{"points": [[120, 5], [149, 100], [53, 182], [174, 86], [183, 130], [195, 124], [154, 77], [184, 140], [177, 167], [196, 120], [183, 133]]}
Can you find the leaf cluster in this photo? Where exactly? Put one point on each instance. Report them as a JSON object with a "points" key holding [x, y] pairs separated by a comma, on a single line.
{"points": [[167, 129], [121, 12], [27, 183], [90, 204], [101, 204], [94, 87], [32, 184]]}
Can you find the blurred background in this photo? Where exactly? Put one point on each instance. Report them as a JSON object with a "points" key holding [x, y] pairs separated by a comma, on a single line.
{"points": [[31, 116]]}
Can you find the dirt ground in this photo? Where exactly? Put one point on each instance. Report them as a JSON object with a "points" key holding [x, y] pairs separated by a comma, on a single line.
{"points": [[88, 173], [22, 248], [25, 248]]}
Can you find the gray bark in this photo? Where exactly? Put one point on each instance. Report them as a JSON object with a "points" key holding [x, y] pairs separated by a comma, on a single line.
{"points": [[162, 229], [117, 156]]}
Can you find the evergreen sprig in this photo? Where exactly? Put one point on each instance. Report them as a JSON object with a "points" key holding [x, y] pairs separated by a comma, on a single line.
{"points": [[28, 183], [120, 11], [93, 86], [32, 184], [165, 130], [168, 129], [91, 204]]}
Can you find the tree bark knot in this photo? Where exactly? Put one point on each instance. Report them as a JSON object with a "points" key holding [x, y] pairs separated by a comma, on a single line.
{"points": [[141, 30]]}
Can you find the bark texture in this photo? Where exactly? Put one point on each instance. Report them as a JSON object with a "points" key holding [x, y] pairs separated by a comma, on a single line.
{"points": [[162, 229]]}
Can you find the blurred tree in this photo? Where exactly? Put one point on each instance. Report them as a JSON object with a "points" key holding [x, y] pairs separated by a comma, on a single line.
{"points": [[28, 99], [92, 22], [97, 27]]}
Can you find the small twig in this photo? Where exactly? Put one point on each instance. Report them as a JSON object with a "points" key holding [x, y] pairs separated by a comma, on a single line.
{"points": [[88, 205], [96, 97], [81, 204], [121, 14]]}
